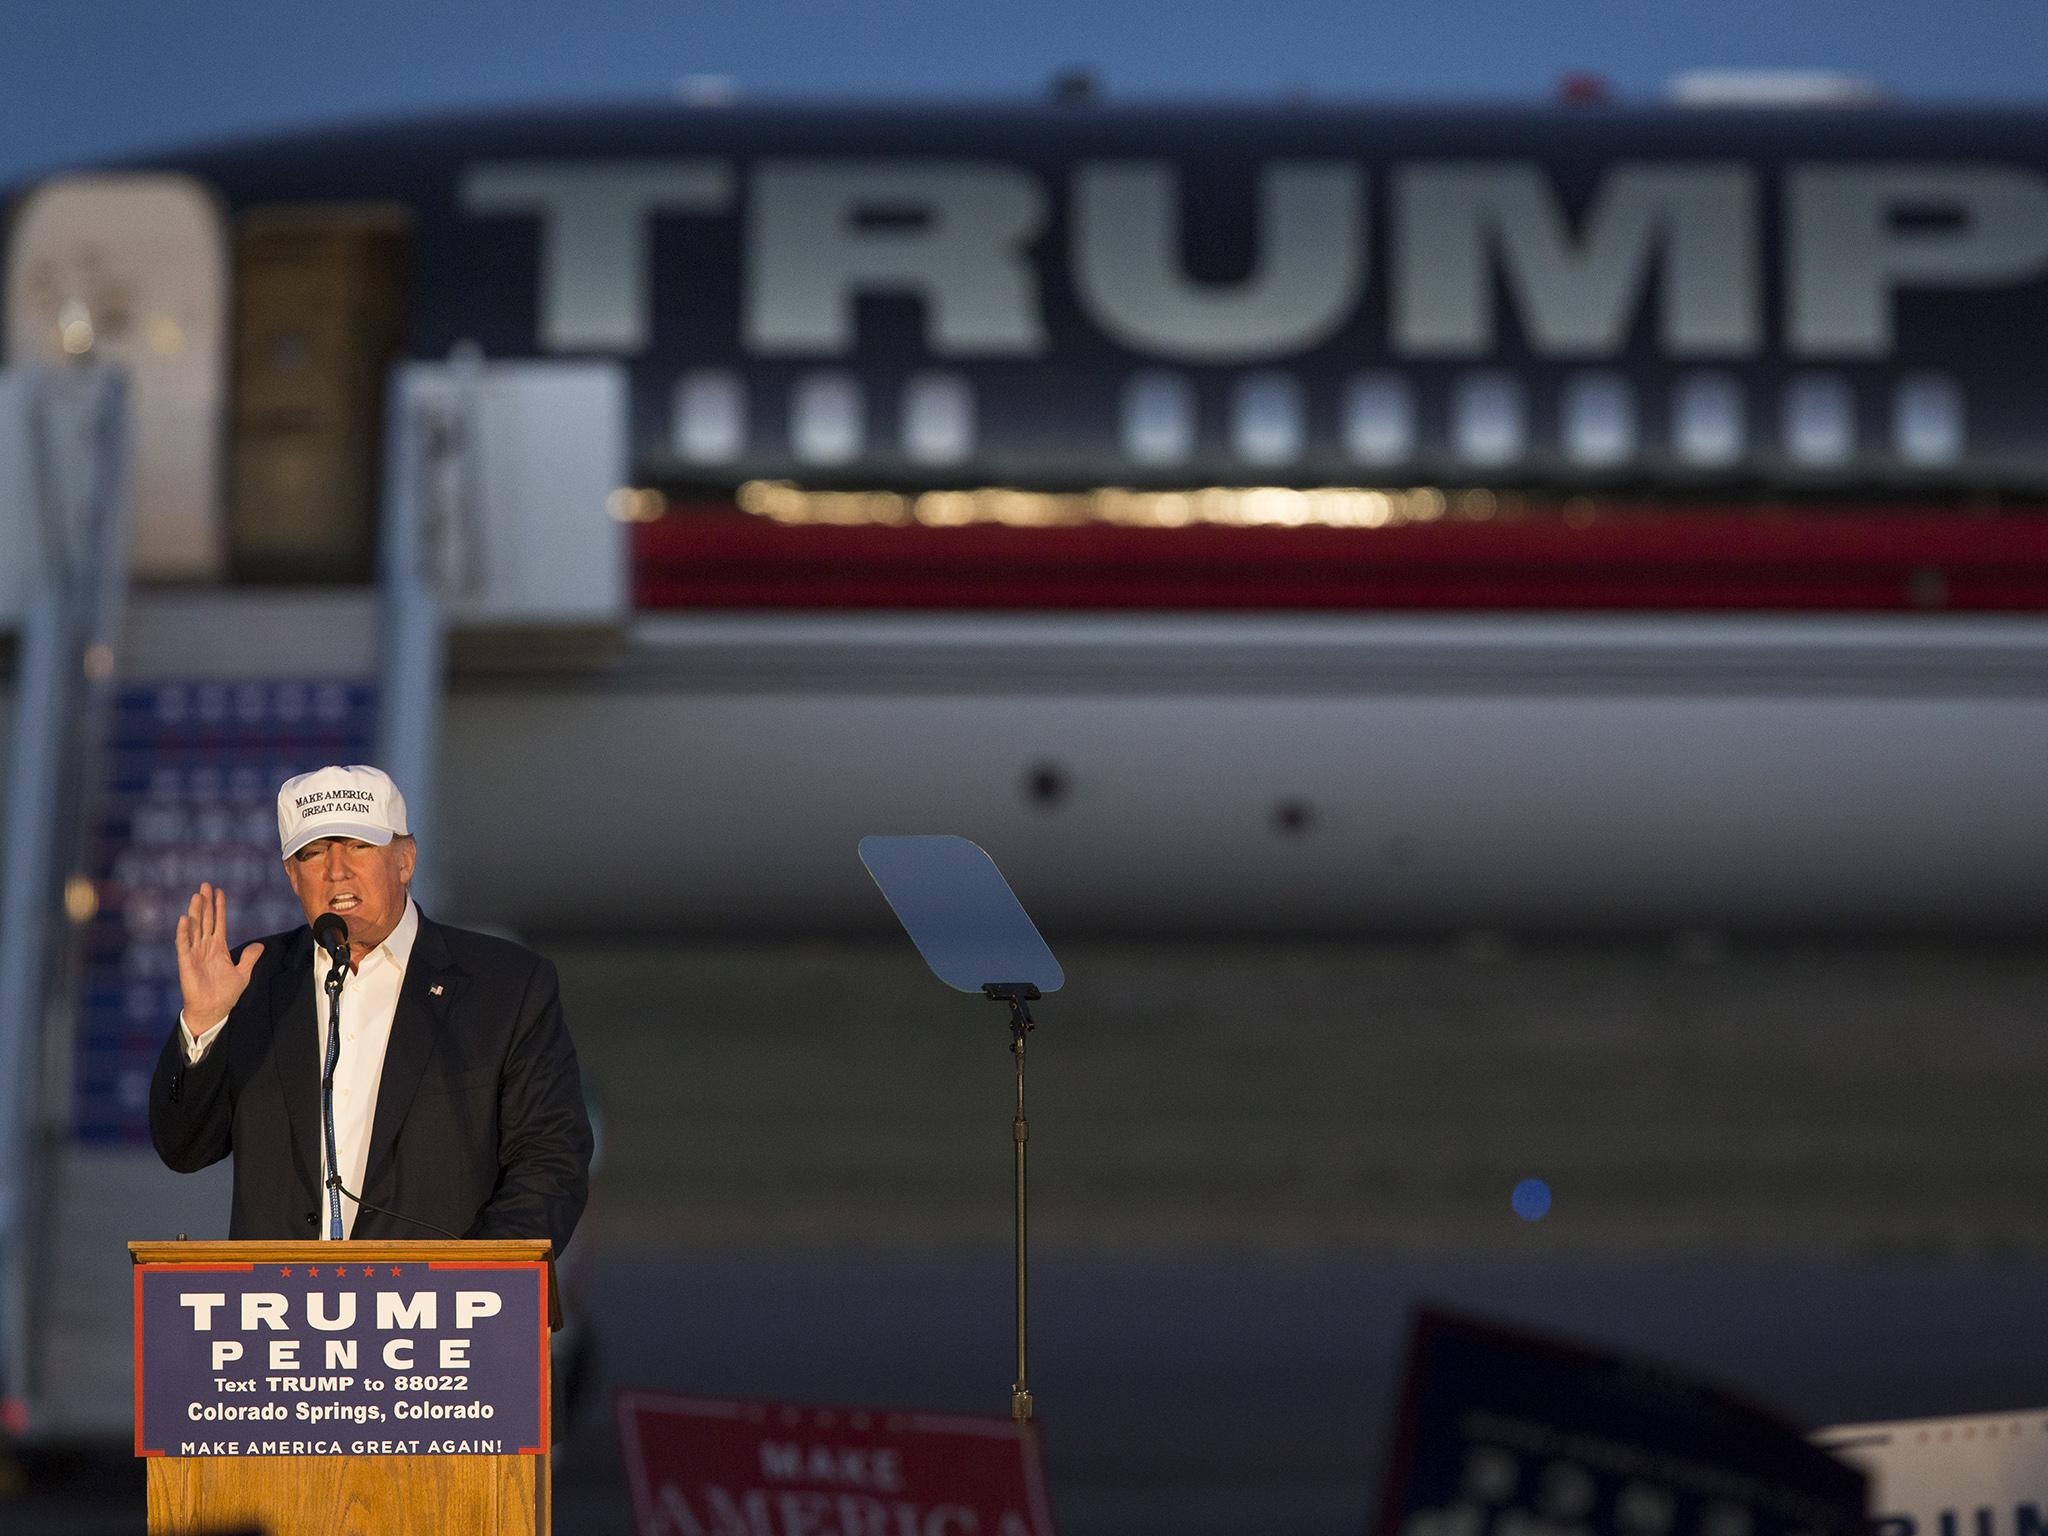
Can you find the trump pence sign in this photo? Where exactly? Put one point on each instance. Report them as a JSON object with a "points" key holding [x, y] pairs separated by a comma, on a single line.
{"points": [[363, 1358]]}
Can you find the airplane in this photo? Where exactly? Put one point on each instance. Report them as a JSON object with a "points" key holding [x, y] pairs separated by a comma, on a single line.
{"points": [[1291, 520], [1305, 518]]}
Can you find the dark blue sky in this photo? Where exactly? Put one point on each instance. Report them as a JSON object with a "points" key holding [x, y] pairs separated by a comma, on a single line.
{"points": [[80, 78]]}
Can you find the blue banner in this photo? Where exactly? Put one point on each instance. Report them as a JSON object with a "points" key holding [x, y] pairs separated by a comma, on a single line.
{"points": [[341, 1359]]}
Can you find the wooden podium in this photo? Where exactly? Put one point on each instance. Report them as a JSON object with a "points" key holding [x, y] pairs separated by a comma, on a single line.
{"points": [[249, 1357]]}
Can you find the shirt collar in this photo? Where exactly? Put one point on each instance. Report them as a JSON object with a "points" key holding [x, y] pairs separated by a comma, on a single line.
{"points": [[399, 945]]}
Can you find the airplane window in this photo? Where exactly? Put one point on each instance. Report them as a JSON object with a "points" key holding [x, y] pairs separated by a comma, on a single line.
{"points": [[1159, 418], [709, 424], [938, 418], [1708, 427], [1927, 419], [1486, 418], [825, 419], [1599, 419], [1379, 418], [1265, 424], [1820, 420]]}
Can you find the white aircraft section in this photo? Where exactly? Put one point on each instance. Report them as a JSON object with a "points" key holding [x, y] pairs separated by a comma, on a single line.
{"points": [[521, 502], [1336, 775], [132, 271]]}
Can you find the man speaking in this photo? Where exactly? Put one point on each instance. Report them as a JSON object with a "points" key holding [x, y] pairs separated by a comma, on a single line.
{"points": [[455, 1103]]}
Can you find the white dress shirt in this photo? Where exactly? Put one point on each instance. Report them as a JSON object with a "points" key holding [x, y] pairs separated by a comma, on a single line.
{"points": [[369, 1002]]}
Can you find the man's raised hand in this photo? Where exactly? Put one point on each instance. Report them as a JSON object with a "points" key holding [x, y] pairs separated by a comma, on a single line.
{"points": [[211, 982]]}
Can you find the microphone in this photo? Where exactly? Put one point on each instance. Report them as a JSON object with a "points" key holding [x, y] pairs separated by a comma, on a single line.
{"points": [[330, 932]]}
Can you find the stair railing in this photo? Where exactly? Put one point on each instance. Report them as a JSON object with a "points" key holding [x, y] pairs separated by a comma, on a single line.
{"points": [[431, 532], [74, 431]]}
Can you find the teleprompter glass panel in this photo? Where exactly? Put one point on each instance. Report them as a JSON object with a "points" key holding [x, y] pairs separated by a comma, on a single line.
{"points": [[960, 912]]}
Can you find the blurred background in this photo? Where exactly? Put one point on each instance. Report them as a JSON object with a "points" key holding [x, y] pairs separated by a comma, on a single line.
{"points": [[1479, 567]]}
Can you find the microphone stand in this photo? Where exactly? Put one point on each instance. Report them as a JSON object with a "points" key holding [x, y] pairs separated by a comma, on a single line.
{"points": [[1019, 995], [337, 959]]}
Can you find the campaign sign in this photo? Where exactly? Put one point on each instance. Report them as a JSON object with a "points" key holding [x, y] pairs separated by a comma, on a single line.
{"points": [[1507, 1434], [702, 1468], [1981, 1475], [332, 1359]]}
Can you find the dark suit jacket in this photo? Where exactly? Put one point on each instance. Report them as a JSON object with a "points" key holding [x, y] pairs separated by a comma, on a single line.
{"points": [[480, 1126]]}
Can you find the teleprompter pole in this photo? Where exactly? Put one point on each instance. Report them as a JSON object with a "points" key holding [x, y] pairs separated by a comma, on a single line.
{"points": [[1019, 995], [976, 936]]}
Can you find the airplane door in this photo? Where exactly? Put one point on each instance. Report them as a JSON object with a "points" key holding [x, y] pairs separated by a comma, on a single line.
{"points": [[320, 294], [133, 270]]}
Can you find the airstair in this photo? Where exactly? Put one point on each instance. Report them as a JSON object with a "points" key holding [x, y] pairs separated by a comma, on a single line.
{"points": [[150, 729], [147, 730]]}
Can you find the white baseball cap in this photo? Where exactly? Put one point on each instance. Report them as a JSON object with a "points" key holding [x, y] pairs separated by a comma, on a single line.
{"points": [[358, 801]]}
